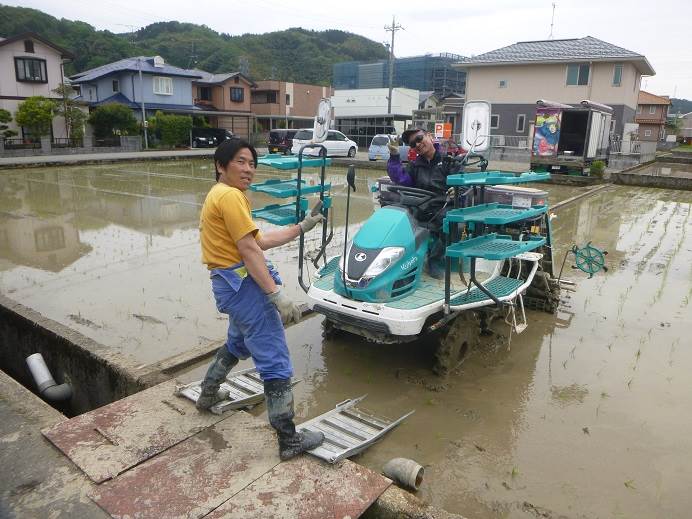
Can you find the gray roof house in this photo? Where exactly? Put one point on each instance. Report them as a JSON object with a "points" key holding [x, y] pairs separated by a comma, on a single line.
{"points": [[568, 71], [162, 87]]}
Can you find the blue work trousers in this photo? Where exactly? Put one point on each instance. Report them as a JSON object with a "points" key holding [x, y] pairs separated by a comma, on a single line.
{"points": [[254, 324]]}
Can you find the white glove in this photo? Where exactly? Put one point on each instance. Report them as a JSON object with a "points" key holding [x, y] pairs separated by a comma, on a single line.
{"points": [[393, 147], [315, 217], [289, 311]]}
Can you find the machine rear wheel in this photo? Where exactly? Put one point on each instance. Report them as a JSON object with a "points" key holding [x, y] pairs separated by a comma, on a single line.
{"points": [[454, 343]]}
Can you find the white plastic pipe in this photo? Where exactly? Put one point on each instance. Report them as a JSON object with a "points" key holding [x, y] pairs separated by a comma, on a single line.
{"points": [[44, 380]]}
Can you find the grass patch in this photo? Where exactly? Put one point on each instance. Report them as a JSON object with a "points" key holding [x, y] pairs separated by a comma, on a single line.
{"points": [[685, 148]]}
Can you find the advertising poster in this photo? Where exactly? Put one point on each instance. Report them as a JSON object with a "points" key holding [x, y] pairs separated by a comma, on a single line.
{"points": [[547, 132]]}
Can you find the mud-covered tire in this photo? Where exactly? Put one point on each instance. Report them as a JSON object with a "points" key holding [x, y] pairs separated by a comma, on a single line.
{"points": [[329, 331], [454, 343], [352, 152]]}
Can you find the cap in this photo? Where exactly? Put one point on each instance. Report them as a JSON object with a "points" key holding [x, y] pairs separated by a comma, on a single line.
{"points": [[412, 130]]}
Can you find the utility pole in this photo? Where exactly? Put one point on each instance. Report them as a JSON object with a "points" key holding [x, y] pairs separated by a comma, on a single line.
{"points": [[144, 113], [192, 62], [393, 28]]}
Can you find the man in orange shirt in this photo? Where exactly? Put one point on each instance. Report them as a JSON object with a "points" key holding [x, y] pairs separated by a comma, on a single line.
{"points": [[248, 289]]}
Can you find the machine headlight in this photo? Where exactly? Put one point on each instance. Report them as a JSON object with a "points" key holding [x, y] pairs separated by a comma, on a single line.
{"points": [[383, 261]]}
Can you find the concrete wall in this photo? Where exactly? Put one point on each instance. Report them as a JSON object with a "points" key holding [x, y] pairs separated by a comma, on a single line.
{"points": [[373, 101], [98, 375], [527, 83]]}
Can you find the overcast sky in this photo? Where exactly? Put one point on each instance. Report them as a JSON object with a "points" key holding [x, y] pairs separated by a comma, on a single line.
{"points": [[660, 30]]}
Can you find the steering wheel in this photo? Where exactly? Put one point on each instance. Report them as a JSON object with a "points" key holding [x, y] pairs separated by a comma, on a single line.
{"points": [[414, 196]]}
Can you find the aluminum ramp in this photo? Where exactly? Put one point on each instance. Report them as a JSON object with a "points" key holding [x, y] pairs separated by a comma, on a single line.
{"points": [[245, 389], [348, 430]]}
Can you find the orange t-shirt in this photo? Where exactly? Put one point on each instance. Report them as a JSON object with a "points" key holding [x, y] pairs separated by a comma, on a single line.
{"points": [[225, 218]]}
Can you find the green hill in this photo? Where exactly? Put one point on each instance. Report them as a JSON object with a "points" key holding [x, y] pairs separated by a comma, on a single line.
{"points": [[683, 106], [295, 54]]}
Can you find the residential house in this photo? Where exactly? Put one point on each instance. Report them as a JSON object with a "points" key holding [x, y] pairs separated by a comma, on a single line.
{"points": [[30, 65], [435, 109], [686, 127], [144, 84], [652, 114], [281, 104], [568, 71], [224, 100]]}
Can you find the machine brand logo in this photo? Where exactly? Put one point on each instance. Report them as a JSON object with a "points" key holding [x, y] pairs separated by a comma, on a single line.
{"points": [[407, 265], [360, 256]]}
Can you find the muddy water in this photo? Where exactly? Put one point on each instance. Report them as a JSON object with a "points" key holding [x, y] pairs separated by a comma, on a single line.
{"points": [[584, 416], [113, 250]]}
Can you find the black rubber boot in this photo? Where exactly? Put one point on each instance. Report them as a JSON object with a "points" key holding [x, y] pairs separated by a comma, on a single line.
{"points": [[216, 374], [280, 409]]}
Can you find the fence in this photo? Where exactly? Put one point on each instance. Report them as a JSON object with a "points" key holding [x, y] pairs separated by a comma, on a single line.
{"points": [[107, 142], [645, 150], [520, 142], [67, 143], [22, 144]]}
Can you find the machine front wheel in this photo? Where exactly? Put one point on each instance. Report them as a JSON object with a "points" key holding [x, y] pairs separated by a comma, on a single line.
{"points": [[455, 341]]}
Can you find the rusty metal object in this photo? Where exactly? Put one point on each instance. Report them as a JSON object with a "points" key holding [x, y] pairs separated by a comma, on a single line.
{"points": [[109, 440], [307, 488], [195, 476]]}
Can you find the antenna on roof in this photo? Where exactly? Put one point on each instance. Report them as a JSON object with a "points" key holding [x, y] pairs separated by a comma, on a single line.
{"points": [[552, 21]]}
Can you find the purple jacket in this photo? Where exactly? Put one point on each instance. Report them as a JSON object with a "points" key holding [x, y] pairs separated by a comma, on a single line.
{"points": [[417, 173]]}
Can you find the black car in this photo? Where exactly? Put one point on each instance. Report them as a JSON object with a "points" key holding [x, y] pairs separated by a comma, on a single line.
{"points": [[209, 137], [281, 141]]}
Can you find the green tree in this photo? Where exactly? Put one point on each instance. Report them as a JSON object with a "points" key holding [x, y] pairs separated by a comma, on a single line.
{"points": [[174, 129], [36, 114], [6, 117], [113, 118], [68, 109]]}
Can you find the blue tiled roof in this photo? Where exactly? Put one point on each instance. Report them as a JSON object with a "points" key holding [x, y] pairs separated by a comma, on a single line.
{"points": [[132, 65], [120, 98], [577, 49]]}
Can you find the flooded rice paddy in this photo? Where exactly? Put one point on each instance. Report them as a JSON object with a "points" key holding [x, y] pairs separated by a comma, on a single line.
{"points": [[584, 416]]}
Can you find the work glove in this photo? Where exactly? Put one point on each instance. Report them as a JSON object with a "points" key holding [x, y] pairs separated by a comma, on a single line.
{"points": [[289, 311], [393, 147], [315, 217]]}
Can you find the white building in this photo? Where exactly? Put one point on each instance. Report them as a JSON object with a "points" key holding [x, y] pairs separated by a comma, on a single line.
{"points": [[362, 113], [30, 66]]}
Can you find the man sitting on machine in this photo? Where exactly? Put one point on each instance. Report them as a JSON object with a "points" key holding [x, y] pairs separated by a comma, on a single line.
{"points": [[429, 172]]}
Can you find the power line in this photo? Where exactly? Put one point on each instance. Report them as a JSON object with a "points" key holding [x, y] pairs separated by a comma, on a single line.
{"points": [[391, 28]]}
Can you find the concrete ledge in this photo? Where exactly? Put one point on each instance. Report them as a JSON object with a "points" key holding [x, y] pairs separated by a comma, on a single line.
{"points": [[636, 179], [395, 503], [97, 374]]}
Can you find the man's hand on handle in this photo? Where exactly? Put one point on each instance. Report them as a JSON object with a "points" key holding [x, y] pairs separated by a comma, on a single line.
{"points": [[315, 217], [289, 311]]}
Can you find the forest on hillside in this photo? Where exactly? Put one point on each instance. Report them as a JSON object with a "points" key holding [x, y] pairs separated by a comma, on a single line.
{"points": [[296, 54]]}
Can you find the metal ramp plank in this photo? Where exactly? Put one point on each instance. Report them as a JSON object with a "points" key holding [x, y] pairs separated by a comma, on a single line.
{"points": [[306, 488], [344, 431], [196, 476], [111, 439], [243, 388]]}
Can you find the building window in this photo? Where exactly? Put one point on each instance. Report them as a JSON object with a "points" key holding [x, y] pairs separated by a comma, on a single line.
{"points": [[494, 122], [639, 109], [116, 85], [237, 94], [163, 85], [617, 75], [30, 70], [263, 96], [29, 46], [577, 74], [48, 239], [288, 99], [503, 83], [521, 123], [652, 109], [647, 133], [205, 93]]}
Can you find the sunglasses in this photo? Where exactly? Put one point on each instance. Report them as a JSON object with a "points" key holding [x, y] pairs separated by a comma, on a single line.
{"points": [[416, 140]]}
